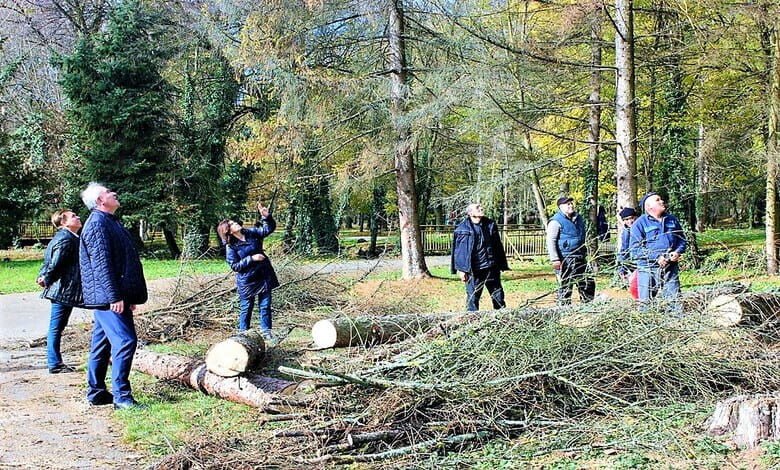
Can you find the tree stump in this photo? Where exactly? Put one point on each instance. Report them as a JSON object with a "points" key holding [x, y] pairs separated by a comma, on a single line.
{"points": [[237, 354], [253, 390], [750, 419], [744, 309], [366, 331]]}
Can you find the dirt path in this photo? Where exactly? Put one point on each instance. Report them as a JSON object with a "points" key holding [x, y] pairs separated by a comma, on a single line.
{"points": [[45, 421]]}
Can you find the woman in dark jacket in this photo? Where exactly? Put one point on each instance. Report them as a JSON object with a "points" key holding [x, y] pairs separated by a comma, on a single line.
{"points": [[255, 277], [60, 277]]}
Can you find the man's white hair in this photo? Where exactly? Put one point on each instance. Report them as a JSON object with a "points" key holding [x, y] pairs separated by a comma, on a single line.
{"points": [[91, 193], [470, 208]]}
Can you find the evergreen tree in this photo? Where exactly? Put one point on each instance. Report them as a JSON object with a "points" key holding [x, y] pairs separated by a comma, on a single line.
{"points": [[118, 106]]}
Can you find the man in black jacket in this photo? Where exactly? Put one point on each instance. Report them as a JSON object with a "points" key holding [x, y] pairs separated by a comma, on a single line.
{"points": [[61, 281], [478, 257]]}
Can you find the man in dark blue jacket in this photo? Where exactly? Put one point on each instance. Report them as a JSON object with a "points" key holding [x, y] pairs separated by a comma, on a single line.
{"points": [[567, 249], [657, 242], [478, 257], [113, 284], [60, 276]]}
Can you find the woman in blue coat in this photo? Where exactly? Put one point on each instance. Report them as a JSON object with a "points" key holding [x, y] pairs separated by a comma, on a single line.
{"points": [[255, 277]]}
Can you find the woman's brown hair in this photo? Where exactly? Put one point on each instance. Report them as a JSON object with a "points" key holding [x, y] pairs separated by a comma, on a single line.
{"points": [[223, 230]]}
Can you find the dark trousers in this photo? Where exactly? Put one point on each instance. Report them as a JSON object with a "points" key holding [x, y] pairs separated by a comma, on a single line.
{"points": [[490, 278], [113, 338], [575, 271]]}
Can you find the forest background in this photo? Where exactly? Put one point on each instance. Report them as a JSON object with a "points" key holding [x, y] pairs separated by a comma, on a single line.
{"points": [[396, 113]]}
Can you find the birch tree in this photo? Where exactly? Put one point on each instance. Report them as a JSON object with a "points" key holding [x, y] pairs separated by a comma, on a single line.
{"points": [[625, 117]]}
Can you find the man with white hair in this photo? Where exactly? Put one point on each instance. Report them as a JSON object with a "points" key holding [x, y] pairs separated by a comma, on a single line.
{"points": [[113, 284], [478, 257]]}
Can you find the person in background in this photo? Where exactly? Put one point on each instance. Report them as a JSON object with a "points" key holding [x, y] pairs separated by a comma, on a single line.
{"points": [[624, 264], [657, 243], [255, 276], [113, 283], [478, 257], [60, 277], [568, 251]]}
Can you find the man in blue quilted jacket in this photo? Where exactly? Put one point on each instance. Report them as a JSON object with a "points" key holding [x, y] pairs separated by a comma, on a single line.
{"points": [[113, 284]]}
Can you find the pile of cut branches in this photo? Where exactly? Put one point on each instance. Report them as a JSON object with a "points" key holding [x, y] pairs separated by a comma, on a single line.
{"points": [[209, 302], [502, 373]]}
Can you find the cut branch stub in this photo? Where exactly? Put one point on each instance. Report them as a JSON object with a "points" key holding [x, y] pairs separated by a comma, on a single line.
{"points": [[366, 331], [237, 354]]}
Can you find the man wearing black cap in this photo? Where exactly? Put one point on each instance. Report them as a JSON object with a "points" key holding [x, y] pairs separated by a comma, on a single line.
{"points": [[657, 242], [624, 265], [567, 249]]}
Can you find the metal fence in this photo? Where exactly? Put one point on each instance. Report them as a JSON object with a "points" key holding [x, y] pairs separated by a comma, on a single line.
{"points": [[519, 241]]}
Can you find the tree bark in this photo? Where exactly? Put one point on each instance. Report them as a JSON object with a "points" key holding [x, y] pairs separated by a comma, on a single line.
{"points": [[625, 117], [237, 354], [254, 390], [413, 260], [744, 309], [749, 419], [702, 181], [697, 300], [594, 131], [170, 241], [773, 156], [367, 331]]}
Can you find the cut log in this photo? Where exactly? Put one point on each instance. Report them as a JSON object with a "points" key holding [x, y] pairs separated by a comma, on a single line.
{"points": [[367, 331], [744, 309], [253, 390], [237, 354], [697, 300], [750, 419]]}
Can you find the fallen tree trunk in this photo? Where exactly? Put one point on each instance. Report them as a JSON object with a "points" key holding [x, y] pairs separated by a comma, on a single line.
{"points": [[743, 309], [367, 331], [749, 419], [237, 354], [697, 300], [252, 390]]}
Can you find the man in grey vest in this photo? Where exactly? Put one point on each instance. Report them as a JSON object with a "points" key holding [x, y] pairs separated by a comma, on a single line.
{"points": [[567, 249]]}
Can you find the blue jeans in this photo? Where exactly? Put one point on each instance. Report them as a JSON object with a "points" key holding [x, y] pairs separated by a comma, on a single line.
{"points": [[114, 338], [263, 309], [652, 279], [59, 320]]}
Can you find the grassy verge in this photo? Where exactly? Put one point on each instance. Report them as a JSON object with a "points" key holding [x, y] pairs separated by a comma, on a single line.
{"points": [[19, 275]]}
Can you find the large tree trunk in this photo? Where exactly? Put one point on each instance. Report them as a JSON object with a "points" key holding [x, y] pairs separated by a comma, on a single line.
{"points": [[750, 419], [367, 331], [253, 390], [625, 117], [413, 261], [744, 309], [702, 181], [170, 241], [594, 131], [773, 156], [697, 300], [237, 354]]}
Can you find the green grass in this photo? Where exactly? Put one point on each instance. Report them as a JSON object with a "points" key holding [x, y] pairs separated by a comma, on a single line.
{"points": [[176, 414], [19, 275]]}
